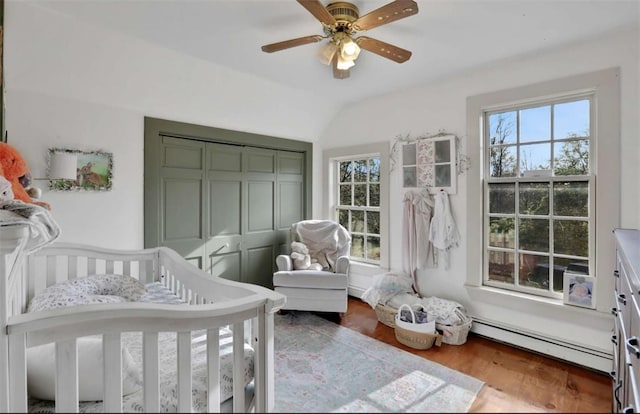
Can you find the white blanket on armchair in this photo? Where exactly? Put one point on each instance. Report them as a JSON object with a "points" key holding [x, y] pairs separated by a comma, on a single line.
{"points": [[325, 239]]}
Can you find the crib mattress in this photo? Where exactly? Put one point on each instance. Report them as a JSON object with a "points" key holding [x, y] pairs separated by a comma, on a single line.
{"points": [[168, 367]]}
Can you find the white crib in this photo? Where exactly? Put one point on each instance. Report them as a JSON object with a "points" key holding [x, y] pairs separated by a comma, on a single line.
{"points": [[212, 303]]}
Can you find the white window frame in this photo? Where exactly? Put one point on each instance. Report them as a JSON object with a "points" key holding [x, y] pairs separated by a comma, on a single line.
{"points": [[605, 161], [590, 179], [331, 157]]}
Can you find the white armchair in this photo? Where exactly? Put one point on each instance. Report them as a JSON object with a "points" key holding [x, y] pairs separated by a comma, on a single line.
{"points": [[323, 290]]}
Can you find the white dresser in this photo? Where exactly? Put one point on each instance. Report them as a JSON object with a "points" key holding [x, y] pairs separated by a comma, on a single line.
{"points": [[626, 332]]}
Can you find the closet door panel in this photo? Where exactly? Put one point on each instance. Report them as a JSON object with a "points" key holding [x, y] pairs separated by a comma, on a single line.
{"points": [[181, 197], [224, 206]]}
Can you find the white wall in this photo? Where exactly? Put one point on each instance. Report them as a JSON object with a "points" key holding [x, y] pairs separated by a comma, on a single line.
{"points": [[73, 85], [442, 106]]}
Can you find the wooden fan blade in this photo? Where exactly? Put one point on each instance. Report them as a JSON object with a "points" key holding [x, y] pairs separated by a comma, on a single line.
{"points": [[388, 13], [274, 47], [338, 73], [319, 11], [383, 49]]}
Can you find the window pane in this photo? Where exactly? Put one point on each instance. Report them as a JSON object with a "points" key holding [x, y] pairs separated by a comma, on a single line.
{"points": [[535, 157], [502, 128], [571, 119], [571, 198], [357, 221], [534, 198], [571, 237], [503, 161], [409, 154], [343, 218], [575, 265], [535, 124], [571, 158], [360, 195], [534, 234], [345, 195], [443, 151], [409, 177], [443, 175], [501, 266], [373, 222], [374, 195], [543, 275], [502, 198], [357, 246], [373, 248], [502, 232], [345, 171], [360, 171], [374, 170], [534, 271]]}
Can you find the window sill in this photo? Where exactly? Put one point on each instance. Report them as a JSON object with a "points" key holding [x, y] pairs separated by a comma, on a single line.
{"points": [[538, 305]]}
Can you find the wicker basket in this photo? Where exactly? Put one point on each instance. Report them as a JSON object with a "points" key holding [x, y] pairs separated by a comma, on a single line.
{"points": [[417, 340], [386, 315], [455, 334]]}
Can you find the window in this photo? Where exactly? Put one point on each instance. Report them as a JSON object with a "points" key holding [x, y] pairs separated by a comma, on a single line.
{"points": [[356, 194], [539, 192], [358, 207]]}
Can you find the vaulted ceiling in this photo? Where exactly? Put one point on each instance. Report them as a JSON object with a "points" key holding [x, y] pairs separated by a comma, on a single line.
{"points": [[446, 37]]}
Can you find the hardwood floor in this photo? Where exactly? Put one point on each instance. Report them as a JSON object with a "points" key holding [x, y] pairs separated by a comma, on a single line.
{"points": [[515, 380]]}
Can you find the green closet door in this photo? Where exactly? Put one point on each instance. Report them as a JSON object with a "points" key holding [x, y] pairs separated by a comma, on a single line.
{"points": [[225, 200]]}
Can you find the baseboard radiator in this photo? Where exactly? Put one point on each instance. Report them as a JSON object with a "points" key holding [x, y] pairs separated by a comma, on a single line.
{"points": [[592, 358]]}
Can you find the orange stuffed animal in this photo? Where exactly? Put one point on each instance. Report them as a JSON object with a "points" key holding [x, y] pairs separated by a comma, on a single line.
{"points": [[14, 168]]}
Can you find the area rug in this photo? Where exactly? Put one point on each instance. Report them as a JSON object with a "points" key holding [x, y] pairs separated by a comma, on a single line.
{"points": [[321, 366]]}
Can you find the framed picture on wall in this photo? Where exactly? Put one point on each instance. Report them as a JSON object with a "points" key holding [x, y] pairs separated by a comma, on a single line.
{"points": [[579, 290], [94, 170]]}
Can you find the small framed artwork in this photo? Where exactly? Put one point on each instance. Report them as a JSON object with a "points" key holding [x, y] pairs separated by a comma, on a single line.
{"points": [[93, 170], [579, 290]]}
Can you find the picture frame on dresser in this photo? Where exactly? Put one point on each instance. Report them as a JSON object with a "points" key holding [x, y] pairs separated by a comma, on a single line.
{"points": [[579, 290]]}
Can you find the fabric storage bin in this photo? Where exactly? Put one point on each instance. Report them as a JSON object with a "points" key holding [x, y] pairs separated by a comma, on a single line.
{"points": [[455, 334], [413, 334], [417, 340], [386, 315]]}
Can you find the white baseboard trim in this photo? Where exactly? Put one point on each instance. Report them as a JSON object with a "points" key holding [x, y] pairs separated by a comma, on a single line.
{"points": [[356, 291], [578, 354]]}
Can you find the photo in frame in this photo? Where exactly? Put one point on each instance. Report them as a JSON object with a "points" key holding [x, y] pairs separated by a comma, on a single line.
{"points": [[94, 171], [579, 290]]}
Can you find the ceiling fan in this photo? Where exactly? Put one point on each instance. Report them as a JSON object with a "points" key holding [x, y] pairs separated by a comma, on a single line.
{"points": [[340, 21]]}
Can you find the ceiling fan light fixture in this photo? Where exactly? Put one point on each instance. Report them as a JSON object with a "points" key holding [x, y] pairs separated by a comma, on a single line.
{"points": [[344, 64], [349, 50], [326, 52]]}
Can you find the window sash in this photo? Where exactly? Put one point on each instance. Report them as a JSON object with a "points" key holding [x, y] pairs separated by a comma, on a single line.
{"points": [[517, 251]]}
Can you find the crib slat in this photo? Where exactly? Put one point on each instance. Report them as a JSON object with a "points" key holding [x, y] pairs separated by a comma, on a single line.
{"points": [[126, 268], [51, 270], [260, 369], [18, 373], [109, 267], [112, 380], [91, 266], [238, 367], [66, 376], [184, 372], [72, 263], [213, 370], [150, 367]]}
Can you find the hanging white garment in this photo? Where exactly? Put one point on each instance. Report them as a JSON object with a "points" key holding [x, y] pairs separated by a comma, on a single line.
{"points": [[424, 204], [409, 245], [417, 252], [443, 232]]}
